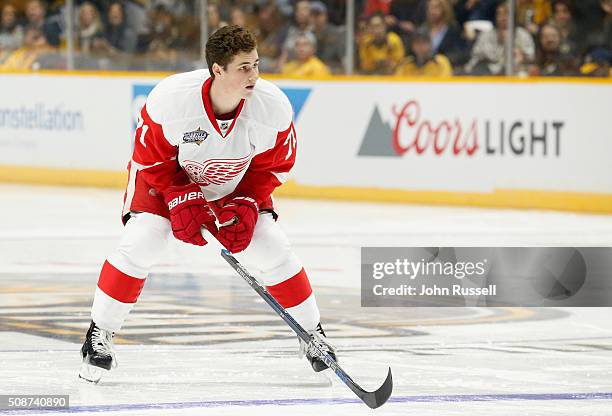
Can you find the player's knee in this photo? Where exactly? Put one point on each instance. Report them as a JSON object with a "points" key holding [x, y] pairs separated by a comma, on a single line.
{"points": [[270, 254], [144, 239], [269, 245], [286, 267], [277, 256]]}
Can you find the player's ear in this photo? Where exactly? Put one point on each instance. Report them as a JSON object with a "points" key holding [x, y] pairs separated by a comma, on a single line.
{"points": [[216, 68]]}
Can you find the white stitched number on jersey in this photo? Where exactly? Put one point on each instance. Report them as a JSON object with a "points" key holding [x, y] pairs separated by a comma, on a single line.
{"points": [[143, 131], [291, 142]]}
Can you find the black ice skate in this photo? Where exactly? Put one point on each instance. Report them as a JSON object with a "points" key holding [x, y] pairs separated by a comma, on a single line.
{"points": [[98, 354], [317, 363]]}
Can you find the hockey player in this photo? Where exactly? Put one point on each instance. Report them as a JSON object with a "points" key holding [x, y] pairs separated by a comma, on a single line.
{"points": [[210, 148]]}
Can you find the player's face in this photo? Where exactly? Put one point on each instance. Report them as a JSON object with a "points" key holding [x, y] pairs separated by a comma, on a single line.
{"points": [[242, 73]]}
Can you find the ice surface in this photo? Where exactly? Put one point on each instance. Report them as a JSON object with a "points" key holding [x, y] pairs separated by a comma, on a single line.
{"points": [[200, 342]]}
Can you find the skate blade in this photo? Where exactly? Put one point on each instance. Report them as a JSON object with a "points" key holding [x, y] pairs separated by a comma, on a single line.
{"points": [[91, 373]]}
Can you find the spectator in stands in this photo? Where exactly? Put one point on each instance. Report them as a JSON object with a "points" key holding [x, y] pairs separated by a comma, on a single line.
{"points": [[186, 15], [586, 14], [306, 64], [331, 39], [89, 27], [405, 16], [445, 35], [238, 17], [600, 34], [302, 24], [11, 32], [117, 37], [336, 11], [214, 18], [244, 16], [606, 24], [469, 10], [489, 52], [380, 51], [34, 43], [550, 61], [597, 63], [422, 61], [270, 31], [39, 31], [163, 40], [178, 8], [532, 14], [376, 6], [571, 40]]}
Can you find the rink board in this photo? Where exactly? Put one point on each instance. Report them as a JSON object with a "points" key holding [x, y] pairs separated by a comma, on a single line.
{"points": [[487, 142]]}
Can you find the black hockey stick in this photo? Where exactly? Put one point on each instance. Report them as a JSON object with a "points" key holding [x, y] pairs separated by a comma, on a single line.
{"points": [[373, 399]]}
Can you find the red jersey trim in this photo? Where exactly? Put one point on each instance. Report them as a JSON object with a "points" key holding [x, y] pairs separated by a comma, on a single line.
{"points": [[209, 108], [227, 116]]}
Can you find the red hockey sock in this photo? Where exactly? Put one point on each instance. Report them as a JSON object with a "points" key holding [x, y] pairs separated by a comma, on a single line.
{"points": [[292, 291], [119, 285]]}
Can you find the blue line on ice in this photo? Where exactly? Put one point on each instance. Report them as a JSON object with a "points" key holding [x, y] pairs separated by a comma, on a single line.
{"points": [[322, 401]]}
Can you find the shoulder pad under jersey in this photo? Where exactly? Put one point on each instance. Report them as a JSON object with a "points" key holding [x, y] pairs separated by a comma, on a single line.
{"points": [[177, 96], [269, 106]]}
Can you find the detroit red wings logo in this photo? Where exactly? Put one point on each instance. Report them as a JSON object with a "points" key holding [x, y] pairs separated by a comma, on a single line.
{"points": [[215, 171]]}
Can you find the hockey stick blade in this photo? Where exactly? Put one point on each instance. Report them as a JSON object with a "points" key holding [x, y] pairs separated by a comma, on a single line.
{"points": [[378, 397], [372, 399]]}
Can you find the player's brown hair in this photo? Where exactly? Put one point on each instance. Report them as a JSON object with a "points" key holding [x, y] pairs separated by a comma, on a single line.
{"points": [[226, 43]]}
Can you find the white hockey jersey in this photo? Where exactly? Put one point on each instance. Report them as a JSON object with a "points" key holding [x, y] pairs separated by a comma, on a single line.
{"points": [[248, 156]]}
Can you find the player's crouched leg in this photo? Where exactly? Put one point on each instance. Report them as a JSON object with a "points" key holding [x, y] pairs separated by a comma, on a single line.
{"points": [[273, 262], [121, 280]]}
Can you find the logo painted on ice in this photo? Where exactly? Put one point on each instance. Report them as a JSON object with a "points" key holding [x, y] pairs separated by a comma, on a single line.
{"points": [[196, 136]]}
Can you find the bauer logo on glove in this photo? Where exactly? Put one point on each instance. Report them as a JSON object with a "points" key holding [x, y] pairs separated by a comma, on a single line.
{"points": [[189, 212], [184, 198]]}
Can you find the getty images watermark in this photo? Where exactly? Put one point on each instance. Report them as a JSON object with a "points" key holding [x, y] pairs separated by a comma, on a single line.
{"points": [[486, 276], [416, 270]]}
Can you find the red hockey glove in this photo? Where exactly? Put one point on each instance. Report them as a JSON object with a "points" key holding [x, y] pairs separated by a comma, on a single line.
{"points": [[236, 237], [188, 213]]}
